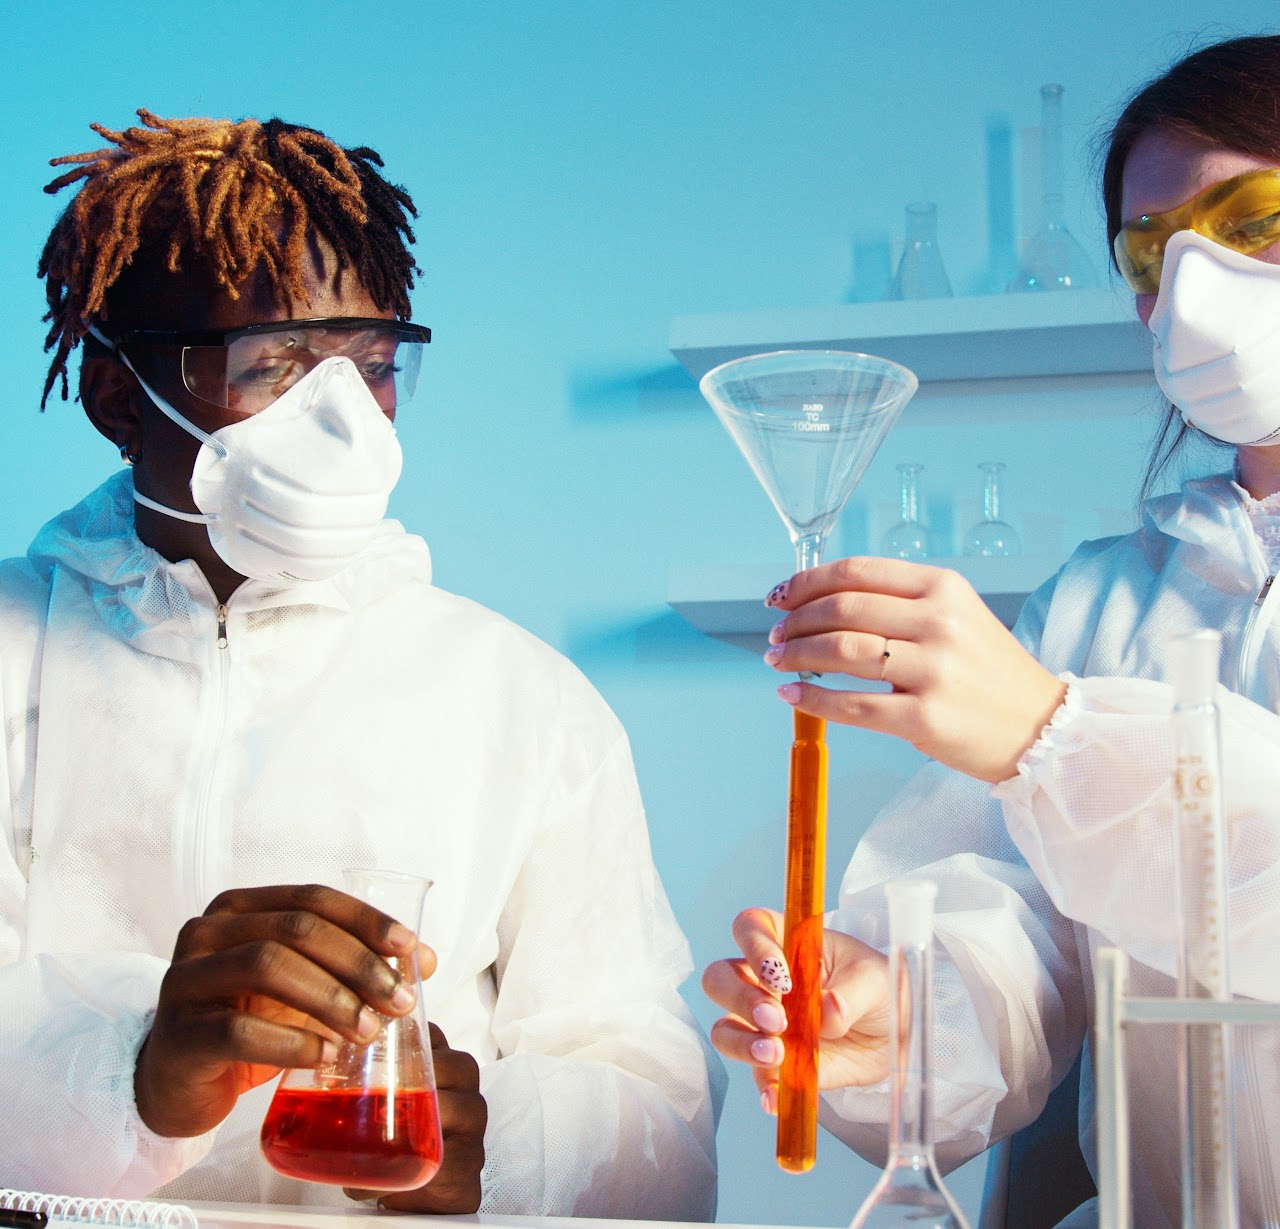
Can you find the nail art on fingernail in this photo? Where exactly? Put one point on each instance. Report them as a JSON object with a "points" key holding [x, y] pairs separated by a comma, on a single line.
{"points": [[777, 594], [765, 1050], [775, 974], [776, 632], [774, 655], [769, 1099], [790, 692]]}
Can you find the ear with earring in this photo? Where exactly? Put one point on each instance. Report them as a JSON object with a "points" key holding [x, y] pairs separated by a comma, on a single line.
{"points": [[126, 456]]}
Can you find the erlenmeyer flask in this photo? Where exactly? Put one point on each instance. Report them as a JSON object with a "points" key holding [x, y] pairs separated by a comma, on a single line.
{"points": [[908, 538], [910, 1193], [921, 274], [1053, 259], [992, 536], [369, 1119]]}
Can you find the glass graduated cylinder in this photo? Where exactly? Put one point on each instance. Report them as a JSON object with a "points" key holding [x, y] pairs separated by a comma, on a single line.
{"points": [[370, 1119], [910, 1193]]}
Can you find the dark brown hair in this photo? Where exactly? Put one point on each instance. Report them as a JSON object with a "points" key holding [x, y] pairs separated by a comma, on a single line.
{"points": [[228, 197], [1227, 95]]}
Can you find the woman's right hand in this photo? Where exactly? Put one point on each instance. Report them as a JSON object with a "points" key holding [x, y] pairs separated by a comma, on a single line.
{"points": [[266, 978], [853, 1041]]}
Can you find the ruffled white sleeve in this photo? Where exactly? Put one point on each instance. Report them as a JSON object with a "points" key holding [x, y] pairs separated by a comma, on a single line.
{"points": [[1091, 808], [605, 1100]]}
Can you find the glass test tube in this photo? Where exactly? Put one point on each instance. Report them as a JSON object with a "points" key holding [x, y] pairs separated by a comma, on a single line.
{"points": [[1209, 1199], [802, 944]]}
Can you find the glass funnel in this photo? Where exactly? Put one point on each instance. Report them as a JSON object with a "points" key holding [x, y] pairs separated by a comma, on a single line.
{"points": [[910, 1193], [808, 423], [1054, 258], [369, 1119]]}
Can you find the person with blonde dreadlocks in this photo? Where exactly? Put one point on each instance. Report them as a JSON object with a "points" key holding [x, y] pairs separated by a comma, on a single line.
{"points": [[225, 675]]}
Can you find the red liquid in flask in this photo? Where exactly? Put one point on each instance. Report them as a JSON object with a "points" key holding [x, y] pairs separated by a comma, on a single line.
{"points": [[347, 1136]]}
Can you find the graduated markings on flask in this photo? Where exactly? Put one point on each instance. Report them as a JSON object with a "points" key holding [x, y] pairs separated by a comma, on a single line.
{"points": [[812, 422]]}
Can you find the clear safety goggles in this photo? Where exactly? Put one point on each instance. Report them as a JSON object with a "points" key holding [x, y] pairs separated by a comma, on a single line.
{"points": [[1242, 213], [246, 369]]}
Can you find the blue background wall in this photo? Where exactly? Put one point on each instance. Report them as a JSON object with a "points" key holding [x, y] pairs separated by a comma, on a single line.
{"points": [[584, 172]]}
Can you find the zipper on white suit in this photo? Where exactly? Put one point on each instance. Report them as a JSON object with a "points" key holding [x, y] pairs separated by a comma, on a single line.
{"points": [[196, 863]]}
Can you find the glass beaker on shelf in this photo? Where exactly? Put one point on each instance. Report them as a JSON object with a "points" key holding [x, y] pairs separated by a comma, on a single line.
{"points": [[991, 535], [920, 273], [1053, 259], [910, 1193], [908, 539], [370, 1118]]}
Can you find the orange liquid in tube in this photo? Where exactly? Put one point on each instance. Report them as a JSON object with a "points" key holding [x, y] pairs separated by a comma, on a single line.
{"points": [[802, 944]]}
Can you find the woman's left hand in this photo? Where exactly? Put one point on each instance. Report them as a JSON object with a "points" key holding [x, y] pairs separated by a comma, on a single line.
{"points": [[455, 1188], [965, 692]]}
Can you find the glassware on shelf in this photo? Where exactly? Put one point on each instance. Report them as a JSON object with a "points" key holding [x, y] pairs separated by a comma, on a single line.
{"points": [[370, 1118], [991, 535], [910, 1193], [921, 273], [908, 539], [808, 423], [1054, 258]]}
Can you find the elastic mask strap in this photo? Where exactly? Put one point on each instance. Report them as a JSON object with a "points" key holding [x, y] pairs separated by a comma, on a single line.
{"points": [[196, 518], [160, 403]]}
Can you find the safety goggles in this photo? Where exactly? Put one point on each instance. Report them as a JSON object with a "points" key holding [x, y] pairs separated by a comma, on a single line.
{"points": [[1242, 213], [246, 369]]}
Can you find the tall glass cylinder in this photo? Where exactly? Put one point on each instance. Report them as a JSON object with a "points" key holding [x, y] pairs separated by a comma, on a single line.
{"points": [[910, 1193], [1053, 259], [1209, 1199]]}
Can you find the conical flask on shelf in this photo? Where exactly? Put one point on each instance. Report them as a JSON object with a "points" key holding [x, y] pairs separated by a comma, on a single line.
{"points": [[1053, 258], [910, 1193], [370, 1118], [920, 273]]}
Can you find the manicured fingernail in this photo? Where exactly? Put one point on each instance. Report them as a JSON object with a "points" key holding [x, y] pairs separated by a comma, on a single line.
{"points": [[777, 595], [777, 633], [775, 974], [774, 655], [402, 937], [769, 1100], [403, 998], [767, 1050], [790, 692], [769, 1017], [368, 1025], [328, 1052]]}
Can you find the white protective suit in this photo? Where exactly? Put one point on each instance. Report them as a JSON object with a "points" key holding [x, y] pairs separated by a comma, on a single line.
{"points": [[1076, 852], [371, 720]]}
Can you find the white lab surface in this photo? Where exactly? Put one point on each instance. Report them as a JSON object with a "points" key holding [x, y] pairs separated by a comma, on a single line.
{"points": [[371, 720], [1076, 852]]}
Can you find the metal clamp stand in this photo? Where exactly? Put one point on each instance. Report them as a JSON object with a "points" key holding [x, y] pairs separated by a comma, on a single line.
{"points": [[1113, 1011]]}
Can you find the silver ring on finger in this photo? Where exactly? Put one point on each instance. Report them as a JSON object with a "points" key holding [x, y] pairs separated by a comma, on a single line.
{"points": [[884, 661]]}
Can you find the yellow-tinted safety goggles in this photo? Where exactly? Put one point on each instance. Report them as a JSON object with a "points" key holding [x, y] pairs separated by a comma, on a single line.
{"points": [[1242, 213]]}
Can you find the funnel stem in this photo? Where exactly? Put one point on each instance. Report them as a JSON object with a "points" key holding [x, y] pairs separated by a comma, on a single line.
{"points": [[809, 550]]}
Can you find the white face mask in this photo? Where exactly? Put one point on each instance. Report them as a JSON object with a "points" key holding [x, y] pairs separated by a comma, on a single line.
{"points": [[297, 490], [1217, 329]]}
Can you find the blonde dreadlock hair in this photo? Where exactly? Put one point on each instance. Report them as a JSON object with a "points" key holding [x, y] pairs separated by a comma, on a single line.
{"points": [[230, 196]]}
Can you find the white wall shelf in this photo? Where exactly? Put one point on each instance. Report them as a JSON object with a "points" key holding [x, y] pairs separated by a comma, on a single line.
{"points": [[982, 337], [728, 602]]}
